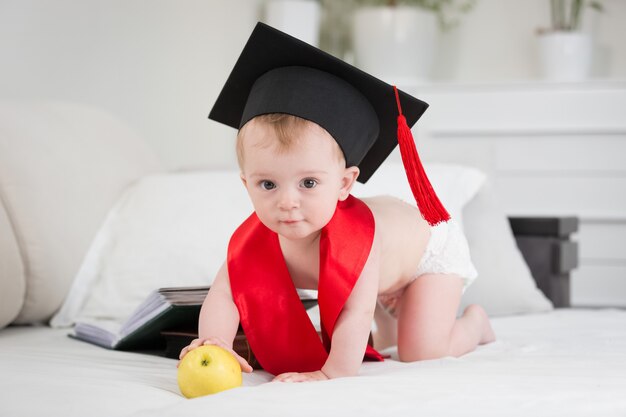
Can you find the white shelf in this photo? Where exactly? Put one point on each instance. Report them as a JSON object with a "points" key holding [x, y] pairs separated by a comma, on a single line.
{"points": [[549, 149], [418, 88]]}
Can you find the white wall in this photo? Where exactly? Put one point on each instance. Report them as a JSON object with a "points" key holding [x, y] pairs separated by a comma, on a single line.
{"points": [[159, 64]]}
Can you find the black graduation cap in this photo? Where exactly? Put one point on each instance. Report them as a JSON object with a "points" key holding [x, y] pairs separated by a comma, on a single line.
{"points": [[277, 73]]}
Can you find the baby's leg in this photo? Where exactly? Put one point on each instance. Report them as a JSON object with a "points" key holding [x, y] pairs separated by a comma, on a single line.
{"points": [[427, 324]]}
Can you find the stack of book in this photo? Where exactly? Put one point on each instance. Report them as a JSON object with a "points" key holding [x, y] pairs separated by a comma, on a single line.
{"points": [[164, 323]]}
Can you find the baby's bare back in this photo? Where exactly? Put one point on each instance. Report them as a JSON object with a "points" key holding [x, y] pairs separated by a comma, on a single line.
{"points": [[403, 235]]}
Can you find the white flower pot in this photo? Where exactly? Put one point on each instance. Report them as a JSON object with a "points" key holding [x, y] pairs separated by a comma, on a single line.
{"points": [[396, 44], [565, 56], [299, 18]]}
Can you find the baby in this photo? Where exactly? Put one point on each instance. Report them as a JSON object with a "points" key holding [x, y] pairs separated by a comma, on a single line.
{"points": [[298, 165]]}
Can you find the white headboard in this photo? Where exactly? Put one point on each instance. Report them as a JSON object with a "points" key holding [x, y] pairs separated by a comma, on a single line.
{"points": [[62, 166]]}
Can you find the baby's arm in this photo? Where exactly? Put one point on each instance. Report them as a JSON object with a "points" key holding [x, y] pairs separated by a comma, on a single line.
{"points": [[352, 328], [219, 319]]}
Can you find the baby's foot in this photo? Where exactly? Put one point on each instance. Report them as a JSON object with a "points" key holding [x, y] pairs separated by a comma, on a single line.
{"points": [[487, 335]]}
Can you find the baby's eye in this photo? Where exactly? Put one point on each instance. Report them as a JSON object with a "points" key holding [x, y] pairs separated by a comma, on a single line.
{"points": [[267, 185], [308, 183]]}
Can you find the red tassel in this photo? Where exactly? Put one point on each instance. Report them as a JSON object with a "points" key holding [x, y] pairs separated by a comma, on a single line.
{"points": [[427, 201]]}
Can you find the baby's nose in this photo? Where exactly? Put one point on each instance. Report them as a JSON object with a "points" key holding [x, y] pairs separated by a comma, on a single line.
{"points": [[288, 200]]}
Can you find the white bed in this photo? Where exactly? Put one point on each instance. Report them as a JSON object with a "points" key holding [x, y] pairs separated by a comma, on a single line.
{"points": [[566, 362], [89, 224]]}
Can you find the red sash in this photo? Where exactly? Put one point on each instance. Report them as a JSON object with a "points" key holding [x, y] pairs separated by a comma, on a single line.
{"points": [[272, 316]]}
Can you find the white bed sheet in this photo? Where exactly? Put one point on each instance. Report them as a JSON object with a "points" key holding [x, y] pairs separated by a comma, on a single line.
{"points": [[567, 362]]}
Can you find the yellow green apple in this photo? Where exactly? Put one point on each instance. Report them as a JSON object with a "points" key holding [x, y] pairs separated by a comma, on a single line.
{"points": [[206, 370]]}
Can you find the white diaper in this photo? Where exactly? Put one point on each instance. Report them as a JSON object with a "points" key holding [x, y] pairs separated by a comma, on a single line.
{"points": [[447, 252]]}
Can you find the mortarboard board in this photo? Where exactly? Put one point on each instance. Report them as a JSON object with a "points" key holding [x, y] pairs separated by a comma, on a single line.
{"points": [[277, 73]]}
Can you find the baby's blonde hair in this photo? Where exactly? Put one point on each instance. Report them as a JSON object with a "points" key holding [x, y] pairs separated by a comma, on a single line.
{"points": [[287, 129]]}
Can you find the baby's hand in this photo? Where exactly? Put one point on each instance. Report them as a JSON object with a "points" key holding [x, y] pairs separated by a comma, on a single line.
{"points": [[245, 366], [301, 377]]}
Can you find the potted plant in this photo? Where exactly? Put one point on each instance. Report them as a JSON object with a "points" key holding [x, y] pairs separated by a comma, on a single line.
{"points": [[396, 40], [566, 52]]}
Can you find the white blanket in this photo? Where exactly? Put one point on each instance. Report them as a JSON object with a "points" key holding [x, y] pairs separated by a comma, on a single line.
{"points": [[563, 363]]}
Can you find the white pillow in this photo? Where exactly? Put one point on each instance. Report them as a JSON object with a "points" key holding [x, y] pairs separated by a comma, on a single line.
{"points": [[173, 230], [505, 285], [166, 230]]}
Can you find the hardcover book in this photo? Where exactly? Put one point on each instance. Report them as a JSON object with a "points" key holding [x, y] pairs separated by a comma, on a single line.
{"points": [[176, 340], [174, 309]]}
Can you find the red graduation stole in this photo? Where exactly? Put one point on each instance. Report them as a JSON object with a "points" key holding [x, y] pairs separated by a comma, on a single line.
{"points": [[272, 316]]}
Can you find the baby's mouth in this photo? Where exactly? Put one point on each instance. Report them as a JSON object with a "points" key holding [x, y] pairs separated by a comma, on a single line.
{"points": [[290, 221]]}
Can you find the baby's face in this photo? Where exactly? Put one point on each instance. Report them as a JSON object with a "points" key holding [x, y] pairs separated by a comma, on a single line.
{"points": [[294, 191]]}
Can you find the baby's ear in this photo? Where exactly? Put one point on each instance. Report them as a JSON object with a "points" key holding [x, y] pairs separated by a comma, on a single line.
{"points": [[347, 182], [243, 179]]}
